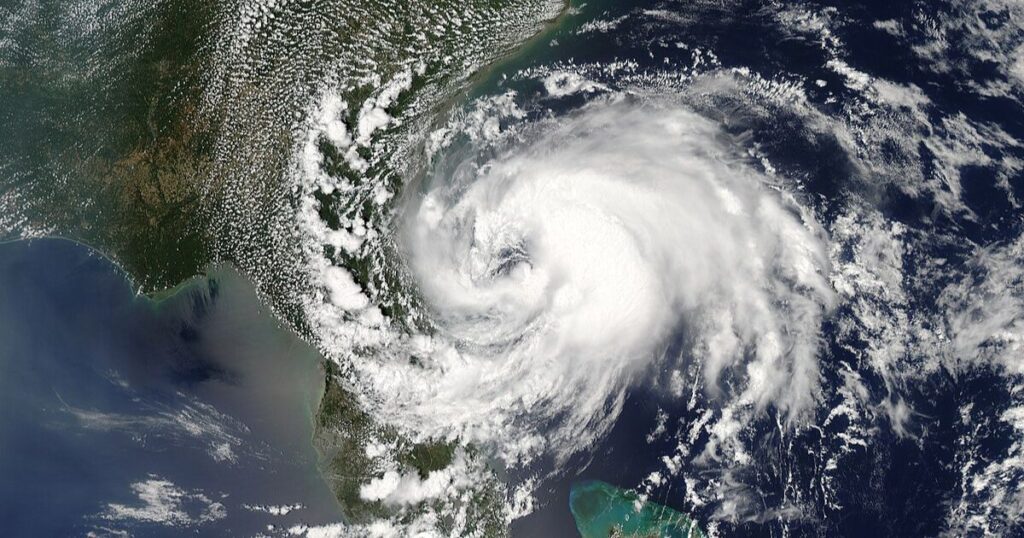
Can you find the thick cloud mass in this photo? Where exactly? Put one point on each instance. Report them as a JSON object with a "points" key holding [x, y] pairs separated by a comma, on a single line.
{"points": [[559, 271]]}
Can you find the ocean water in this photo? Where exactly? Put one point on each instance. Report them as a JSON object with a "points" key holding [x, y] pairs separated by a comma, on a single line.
{"points": [[887, 482], [601, 509], [120, 413]]}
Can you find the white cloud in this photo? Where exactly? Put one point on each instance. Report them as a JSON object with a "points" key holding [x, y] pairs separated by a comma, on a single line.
{"points": [[161, 502], [182, 424], [559, 84], [274, 509], [985, 313], [397, 489], [373, 114], [558, 273]]}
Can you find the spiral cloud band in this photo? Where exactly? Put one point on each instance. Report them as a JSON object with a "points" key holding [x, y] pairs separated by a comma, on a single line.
{"points": [[558, 272]]}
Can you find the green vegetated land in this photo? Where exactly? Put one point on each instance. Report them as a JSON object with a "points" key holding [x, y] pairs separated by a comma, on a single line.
{"points": [[342, 432], [160, 133], [103, 141]]}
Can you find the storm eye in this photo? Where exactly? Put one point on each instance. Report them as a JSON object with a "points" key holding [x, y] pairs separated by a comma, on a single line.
{"points": [[508, 259]]}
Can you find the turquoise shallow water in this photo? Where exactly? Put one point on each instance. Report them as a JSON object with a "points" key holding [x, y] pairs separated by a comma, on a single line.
{"points": [[601, 510], [158, 418]]}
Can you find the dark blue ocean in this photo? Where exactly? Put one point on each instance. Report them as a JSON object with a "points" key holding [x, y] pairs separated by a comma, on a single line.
{"points": [[899, 485]]}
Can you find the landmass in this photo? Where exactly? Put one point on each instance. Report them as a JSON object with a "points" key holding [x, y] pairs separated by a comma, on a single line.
{"points": [[162, 136]]}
